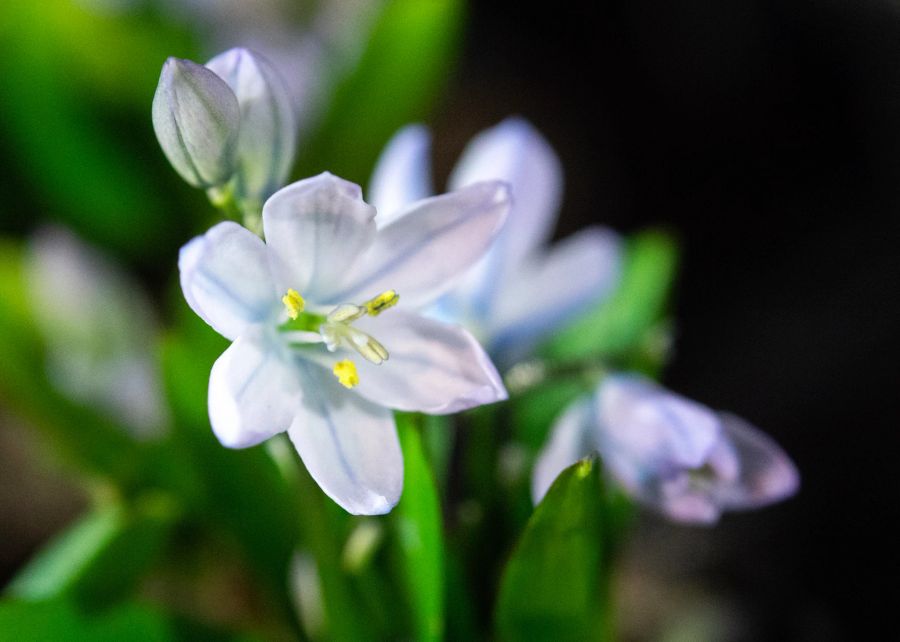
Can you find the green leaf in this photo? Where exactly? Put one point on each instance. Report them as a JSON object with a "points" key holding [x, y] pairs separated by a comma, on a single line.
{"points": [[619, 324], [534, 412], [419, 534], [59, 620], [243, 490], [396, 81], [93, 168], [101, 557], [554, 585]]}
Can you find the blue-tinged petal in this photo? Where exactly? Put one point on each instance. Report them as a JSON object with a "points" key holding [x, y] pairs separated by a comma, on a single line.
{"points": [[402, 174], [758, 471], [430, 246], [516, 153], [268, 131], [348, 444], [197, 119], [552, 288], [433, 367], [316, 229], [226, 279], [644, 430], [254, 391], [570, 440]]}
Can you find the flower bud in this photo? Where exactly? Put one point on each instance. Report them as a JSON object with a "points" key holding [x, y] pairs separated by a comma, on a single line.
{"points": [[197, 121], [266, 142]]}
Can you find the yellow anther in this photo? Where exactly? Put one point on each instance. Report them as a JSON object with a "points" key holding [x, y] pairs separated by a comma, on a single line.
{"points": [[294, 303], [346, 373], [382, 302]]}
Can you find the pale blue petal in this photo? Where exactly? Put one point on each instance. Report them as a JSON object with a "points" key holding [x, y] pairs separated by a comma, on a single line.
{"points": [[316, 230], [424, 252], [254, 391], [433, 367], [226, 280], [551, 288], [516, 153], [402, 174], [348, 444], [761, 473]]}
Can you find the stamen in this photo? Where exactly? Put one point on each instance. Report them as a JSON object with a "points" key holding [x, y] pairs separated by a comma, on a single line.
{"points": [[382, 302], [293, 303], [345, 371], [345, 312]]}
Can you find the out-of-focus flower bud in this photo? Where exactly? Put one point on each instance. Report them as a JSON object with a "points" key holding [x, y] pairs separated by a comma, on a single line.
{"points": [[267, 139], [196, 117]]}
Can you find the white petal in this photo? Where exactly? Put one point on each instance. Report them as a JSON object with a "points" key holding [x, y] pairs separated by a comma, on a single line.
{"points": [[226, 279], [268, 132], [349, 445], [402, 174], [422, 253], [433, 367], [196, 119], [569, 441], [316, 229], [254, 392], [644, 429], [763, 473], [515, 152], [551, 289]]}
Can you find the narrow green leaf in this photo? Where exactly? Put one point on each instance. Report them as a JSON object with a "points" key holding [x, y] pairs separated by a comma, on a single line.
{"points": [[395, 82], [620, 323], [419, 534], [60, 620], [101, 557], [553, 587], [243, 490]]}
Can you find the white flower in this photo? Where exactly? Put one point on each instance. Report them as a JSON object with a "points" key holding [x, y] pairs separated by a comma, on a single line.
{"points": [[325, 342], [520, 291], [96, 323], [672, 454]]}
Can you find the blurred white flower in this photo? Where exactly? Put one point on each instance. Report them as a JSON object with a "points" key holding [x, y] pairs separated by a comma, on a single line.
{"points": [[98, 326], [228, 122], [669, 453], [521, 290], [319, 293]]}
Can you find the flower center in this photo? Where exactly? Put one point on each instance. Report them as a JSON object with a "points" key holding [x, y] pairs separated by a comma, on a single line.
{"points": [[336, 330]]}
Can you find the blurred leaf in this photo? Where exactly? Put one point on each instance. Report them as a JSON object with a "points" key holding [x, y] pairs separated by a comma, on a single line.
{"points": [[417, 522], [620, 323], [553, 586], [86, 161], [396, 81], [101, 557], [59, 620], [534, 412], [54, 620], [244, 490]]}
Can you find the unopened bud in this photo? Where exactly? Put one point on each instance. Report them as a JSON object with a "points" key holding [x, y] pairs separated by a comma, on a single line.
{"points": [[197, 120], [266, 143]]}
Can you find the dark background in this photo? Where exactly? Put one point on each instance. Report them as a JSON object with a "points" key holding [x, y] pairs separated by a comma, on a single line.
{"points": [[767, 136]]}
